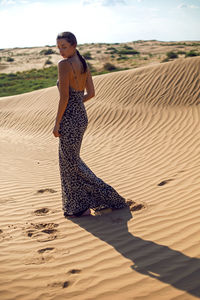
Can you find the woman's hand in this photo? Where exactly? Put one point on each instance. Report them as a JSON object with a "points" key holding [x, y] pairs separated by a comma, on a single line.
{"points": [[56, 131]]}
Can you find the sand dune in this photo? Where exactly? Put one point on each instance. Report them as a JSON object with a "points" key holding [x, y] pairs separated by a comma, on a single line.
{"points": [[143, 138]]}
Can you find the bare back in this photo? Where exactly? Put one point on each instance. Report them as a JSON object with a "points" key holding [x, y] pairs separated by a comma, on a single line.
{"points": [[77, 79]]}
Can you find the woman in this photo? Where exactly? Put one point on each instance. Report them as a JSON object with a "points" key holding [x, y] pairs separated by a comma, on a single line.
{"points": [[81, 188]]}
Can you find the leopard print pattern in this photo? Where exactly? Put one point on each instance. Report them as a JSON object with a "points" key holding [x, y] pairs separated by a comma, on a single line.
{"points": [[81, 188]]}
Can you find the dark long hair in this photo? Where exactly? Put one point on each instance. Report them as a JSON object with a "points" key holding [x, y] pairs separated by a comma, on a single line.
{"points": [[70, 38]]}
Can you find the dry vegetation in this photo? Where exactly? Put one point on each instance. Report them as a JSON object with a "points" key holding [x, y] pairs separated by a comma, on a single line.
{"points": [[26, 69], [121, 55]]}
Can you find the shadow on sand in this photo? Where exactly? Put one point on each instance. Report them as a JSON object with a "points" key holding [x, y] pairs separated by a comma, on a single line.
{"points": [[149, 258]]}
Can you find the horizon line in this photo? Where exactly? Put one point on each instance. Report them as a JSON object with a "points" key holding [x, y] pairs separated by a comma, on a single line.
{"points": [[92, 43]]}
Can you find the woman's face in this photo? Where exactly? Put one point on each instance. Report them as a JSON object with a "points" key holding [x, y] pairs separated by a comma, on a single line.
{"points": [[65, 48]]}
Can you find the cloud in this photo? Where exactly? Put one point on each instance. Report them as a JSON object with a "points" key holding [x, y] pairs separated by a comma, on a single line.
{"points": [[183, 5], [193, 6], [23, 1], [104, 2], [7, 2], [154, 9], [11, 2], [112, 2]]}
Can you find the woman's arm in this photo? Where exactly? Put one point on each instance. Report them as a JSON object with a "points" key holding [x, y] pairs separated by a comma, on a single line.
{"points": [[89, 87], [63, 77]]}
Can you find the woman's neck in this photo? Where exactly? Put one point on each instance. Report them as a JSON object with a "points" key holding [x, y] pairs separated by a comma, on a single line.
{"points": [[73, 55]]}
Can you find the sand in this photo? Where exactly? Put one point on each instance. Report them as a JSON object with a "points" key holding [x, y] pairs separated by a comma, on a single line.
{"points": [[143, 138]]}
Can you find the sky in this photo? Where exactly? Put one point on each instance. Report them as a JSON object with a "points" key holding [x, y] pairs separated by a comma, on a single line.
{"points": [[25, 23]]}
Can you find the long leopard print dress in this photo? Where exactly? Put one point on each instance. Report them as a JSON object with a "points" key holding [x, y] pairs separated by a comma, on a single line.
{"points": [[81, 188]]}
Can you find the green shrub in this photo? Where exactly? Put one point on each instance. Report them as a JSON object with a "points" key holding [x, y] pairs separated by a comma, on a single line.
{"points": [[127, 47], [165, 59], [12, 75], [171, 55], [121, 57], [47, 51], [87, 55], [109, 67], [26, 81], [112, 50], [192, 53], [48, 62], [128, 52], [181, 52], [9, 59]]}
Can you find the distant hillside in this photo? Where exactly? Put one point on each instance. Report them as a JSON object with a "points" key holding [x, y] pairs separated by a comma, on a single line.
{"points": [[121, 55], [27, 69]]}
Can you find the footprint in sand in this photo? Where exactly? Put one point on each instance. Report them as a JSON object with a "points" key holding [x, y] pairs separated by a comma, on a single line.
{"points": [[42, 256], [66, 283], [164, 182], [43, 232], [63, 285], [74, 271], [5, 236], [134, 206], [41, 191], [41, 212], [45, 249]]}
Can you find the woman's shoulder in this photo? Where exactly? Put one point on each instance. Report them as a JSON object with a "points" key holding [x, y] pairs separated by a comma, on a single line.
{"points": [[64, 64], [63, 61]]}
